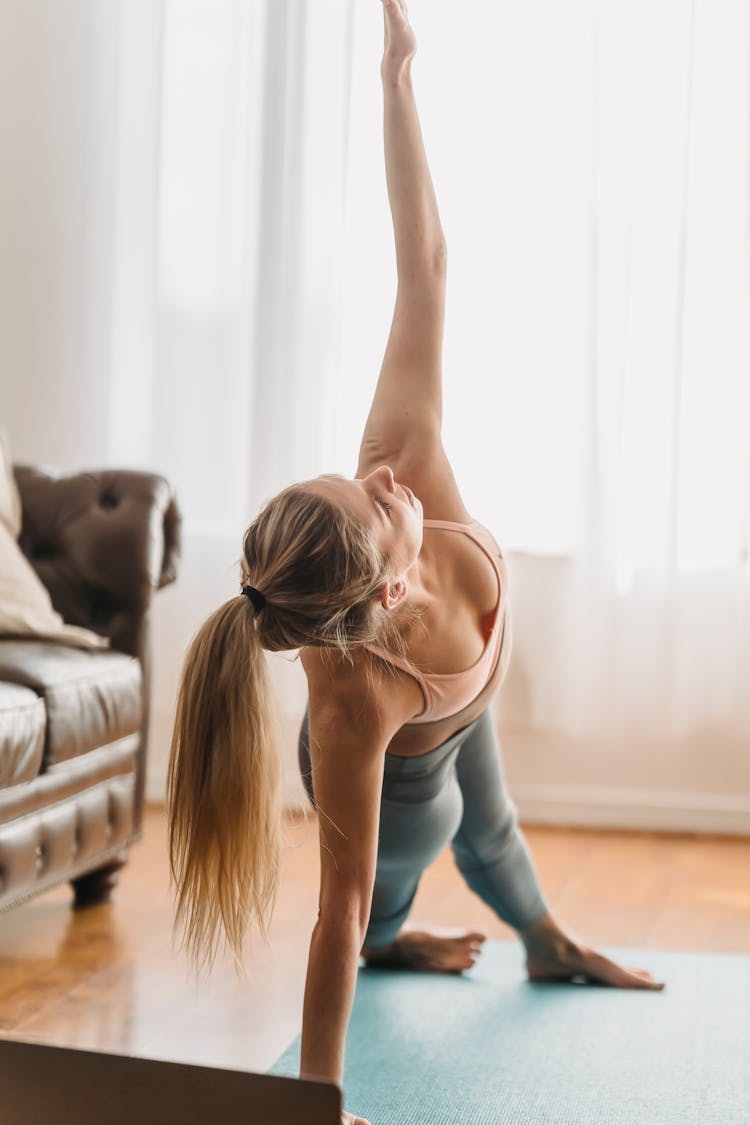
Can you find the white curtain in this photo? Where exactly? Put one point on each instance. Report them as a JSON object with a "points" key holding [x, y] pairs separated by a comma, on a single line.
{"points": [[591, 167]]}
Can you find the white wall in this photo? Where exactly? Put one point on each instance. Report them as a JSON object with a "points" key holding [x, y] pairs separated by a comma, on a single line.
{"points": [[51, 399]]}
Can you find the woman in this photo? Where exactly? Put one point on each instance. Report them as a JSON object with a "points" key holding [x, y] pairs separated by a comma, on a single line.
{"points": [[397, 601]]}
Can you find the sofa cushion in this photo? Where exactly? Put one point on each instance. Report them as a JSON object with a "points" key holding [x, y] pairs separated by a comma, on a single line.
{"points": [[22, 723], [10, 498], [92, 698]]}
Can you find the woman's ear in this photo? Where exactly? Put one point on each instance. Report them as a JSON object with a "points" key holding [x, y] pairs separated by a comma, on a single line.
{"points": [[394, 593]]}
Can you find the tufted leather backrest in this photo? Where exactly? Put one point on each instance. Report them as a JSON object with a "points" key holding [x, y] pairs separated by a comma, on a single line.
{"points": [[101, 542]]}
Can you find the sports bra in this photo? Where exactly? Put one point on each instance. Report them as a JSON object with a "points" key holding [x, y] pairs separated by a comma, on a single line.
{"points": [[446, 694]]}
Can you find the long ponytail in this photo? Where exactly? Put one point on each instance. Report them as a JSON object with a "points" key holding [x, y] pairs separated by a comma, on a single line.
{"points": [[224, 796], [321, 574]]}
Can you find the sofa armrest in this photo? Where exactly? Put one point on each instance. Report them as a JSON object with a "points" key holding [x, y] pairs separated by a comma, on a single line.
{"points": [[101, 542]]}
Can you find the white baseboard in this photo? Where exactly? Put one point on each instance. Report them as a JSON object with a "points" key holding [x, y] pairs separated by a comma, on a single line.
{"points": [[596, 807], [579, 806], [666, 810]]}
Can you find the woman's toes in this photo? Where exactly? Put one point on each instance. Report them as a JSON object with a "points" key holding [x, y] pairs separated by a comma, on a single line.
{"points": [[459, 966], [435, 949], [456, 958], [648, 977]]}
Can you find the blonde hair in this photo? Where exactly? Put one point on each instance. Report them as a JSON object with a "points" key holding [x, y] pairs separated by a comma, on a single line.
{"points": [[321, 574]]}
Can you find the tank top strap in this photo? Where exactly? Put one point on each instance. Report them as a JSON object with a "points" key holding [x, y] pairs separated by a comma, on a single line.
{"points": [[475, 530], [391, 658], [448, 523]]}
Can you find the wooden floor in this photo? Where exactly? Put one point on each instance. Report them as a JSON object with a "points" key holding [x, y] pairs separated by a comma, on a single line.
{"points": [[108, 979]]}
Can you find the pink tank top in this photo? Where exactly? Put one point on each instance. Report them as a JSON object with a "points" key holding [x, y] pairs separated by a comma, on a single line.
{"points": [[448, 693]]}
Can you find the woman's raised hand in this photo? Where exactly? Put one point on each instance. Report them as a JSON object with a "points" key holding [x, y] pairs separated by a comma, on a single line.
{"points": [[400, 44]]}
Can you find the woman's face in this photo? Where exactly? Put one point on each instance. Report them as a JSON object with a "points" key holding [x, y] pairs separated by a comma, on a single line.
{"points": [[385, 507]]}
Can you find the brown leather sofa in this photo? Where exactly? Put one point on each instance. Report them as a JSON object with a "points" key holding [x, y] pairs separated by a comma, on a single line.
{"points": [[74, 721]]}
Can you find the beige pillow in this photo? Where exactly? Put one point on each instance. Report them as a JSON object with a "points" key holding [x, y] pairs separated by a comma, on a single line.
{"points": [[25, 605], [10, 500]]}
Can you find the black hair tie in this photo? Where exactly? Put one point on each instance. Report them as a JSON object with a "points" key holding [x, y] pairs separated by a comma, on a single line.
{"points": [[255, 597]]}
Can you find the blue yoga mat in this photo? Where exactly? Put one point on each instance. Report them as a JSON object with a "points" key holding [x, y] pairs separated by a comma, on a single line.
{"points": [[488, 1047]]}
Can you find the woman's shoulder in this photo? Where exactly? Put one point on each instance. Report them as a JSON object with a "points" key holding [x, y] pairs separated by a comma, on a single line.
{"points": [[356, 684]]}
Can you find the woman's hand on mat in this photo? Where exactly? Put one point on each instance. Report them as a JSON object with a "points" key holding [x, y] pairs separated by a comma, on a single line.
{"points": [[400, 43], [350, 1119]]}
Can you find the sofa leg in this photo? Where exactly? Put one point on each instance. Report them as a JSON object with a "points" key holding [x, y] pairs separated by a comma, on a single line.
{"points": [[96, 887]]}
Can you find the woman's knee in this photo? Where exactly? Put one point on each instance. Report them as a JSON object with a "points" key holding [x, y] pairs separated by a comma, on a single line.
{"points": [[482, 842]]}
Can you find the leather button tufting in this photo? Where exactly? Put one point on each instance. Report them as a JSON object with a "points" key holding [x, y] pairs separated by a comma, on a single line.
{"points": [[108, 500], [41, 856]]}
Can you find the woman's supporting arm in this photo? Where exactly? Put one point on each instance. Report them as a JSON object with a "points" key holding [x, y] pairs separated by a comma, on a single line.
{"points": [[350, 729], [329, 994], [352, 805]]}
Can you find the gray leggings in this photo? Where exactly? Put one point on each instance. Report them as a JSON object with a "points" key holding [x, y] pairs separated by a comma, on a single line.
{"points": [[455, 793]]}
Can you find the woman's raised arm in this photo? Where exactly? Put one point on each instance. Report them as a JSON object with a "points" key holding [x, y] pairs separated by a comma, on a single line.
{"points": [[420, 241], [403, 428], [408, 397]]}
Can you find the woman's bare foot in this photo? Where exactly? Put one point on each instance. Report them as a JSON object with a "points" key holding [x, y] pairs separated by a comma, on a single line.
{"points": [[435, 949], [588, 967]]}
